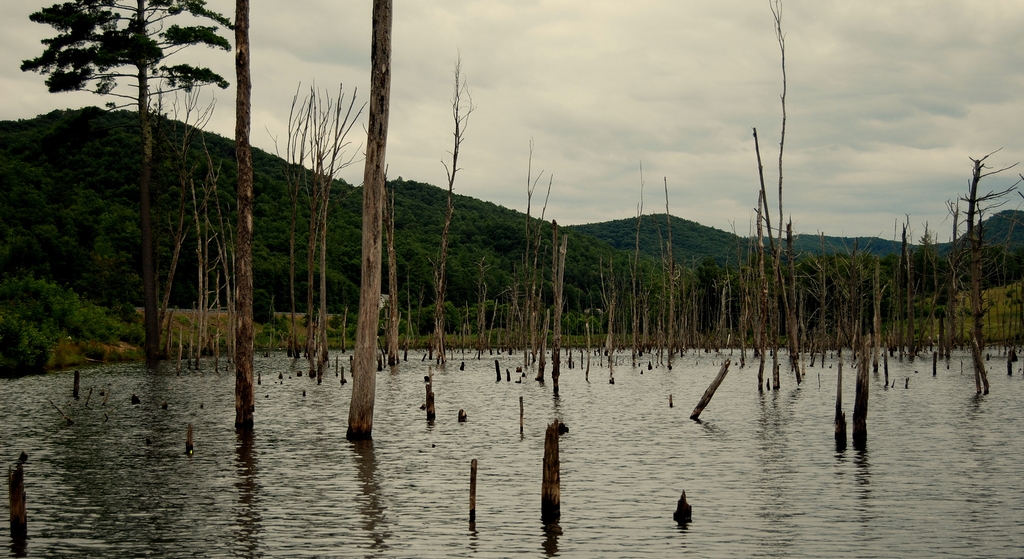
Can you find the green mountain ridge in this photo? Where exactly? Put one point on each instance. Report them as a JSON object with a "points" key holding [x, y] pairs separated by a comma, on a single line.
{"points": [[68, 214]]}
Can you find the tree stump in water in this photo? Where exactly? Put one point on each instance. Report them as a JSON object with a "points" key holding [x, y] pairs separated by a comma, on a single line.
{"points": [[19, 514], [860, 408], [472, 491], [520, 415], [462, 416], [551, 493], [683, 510], [74, 391], [840, 414], [188, 440], [430, 398]]}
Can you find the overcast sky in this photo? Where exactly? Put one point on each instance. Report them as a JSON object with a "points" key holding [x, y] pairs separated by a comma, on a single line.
{"points": [[886, 100]]}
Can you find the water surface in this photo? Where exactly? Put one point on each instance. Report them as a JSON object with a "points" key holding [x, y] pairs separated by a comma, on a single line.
{"points": [[940, 476]]}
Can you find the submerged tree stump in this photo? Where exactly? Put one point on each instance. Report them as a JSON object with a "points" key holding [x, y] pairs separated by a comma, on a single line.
{"points": [[520, 415], [550, 492], [710, 392], [860, 408], [430, 402], [472, 491], [683, 510], [840, 414], [19, 514]]}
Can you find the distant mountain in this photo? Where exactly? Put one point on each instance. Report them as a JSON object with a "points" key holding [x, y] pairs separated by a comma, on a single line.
{"points": [[691, 241], [1005, 228]]}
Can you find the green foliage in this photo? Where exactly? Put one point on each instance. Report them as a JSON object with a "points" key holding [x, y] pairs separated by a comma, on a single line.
{"points": [[691, 241], [96, 38], [35, 314]]}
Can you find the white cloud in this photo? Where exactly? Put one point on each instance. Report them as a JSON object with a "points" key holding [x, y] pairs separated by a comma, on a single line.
{"points": [[886, 99]]}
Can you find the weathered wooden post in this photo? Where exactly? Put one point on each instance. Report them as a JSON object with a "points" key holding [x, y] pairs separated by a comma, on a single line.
{"points": [[670, 400], [840, 414], [497, 370], [19, 515], [188, 440], [860, 408], [935, 362], [520, 415], [710, 392], [550, 492], [472, 491], [74, 391], [430, 399]]}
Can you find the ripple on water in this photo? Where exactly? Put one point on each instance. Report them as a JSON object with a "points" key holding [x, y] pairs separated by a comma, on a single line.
{"points": [[939, 477]]}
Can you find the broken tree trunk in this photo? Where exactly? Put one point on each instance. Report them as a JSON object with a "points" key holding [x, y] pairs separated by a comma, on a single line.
{"points": [[710, 392], [840, 414], [472, 491], [19, 515], [550, 493], [860, 405]]}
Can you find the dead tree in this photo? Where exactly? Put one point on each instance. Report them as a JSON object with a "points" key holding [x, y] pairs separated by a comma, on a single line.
{"points": [[193, 120], [317, 135], [394, 313], [245, 401], [462, 107], [364, 370], [977, 205], [482, 339], [558, 277]]}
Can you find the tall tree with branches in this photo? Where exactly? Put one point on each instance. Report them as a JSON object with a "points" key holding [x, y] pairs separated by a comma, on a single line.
{"points": [[462, 107], [101, 43], [977, 205]]}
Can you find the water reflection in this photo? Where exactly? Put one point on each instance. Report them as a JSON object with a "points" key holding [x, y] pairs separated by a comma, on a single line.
{"points": [[551, 533], [249, 518], [862, 477], [370, 506]]}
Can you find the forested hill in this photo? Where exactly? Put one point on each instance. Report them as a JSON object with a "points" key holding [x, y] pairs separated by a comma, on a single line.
{"points": [[69, 214], [691, 241]]}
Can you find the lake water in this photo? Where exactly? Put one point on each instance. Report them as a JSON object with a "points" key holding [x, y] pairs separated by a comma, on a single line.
{"points": [[941, 476]]}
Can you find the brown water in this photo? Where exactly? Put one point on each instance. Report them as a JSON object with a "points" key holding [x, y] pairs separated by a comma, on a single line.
{"points": [[941, 475]]}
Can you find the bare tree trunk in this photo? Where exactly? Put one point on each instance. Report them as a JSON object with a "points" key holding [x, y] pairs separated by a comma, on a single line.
{"points": [[394, 313], [877, 322], [460, 113], [558, 273], [792, 325], [245, 402], [911, 321], [483, 339], [975, 237], [860, 405], [670, 322], [364, 372]]}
